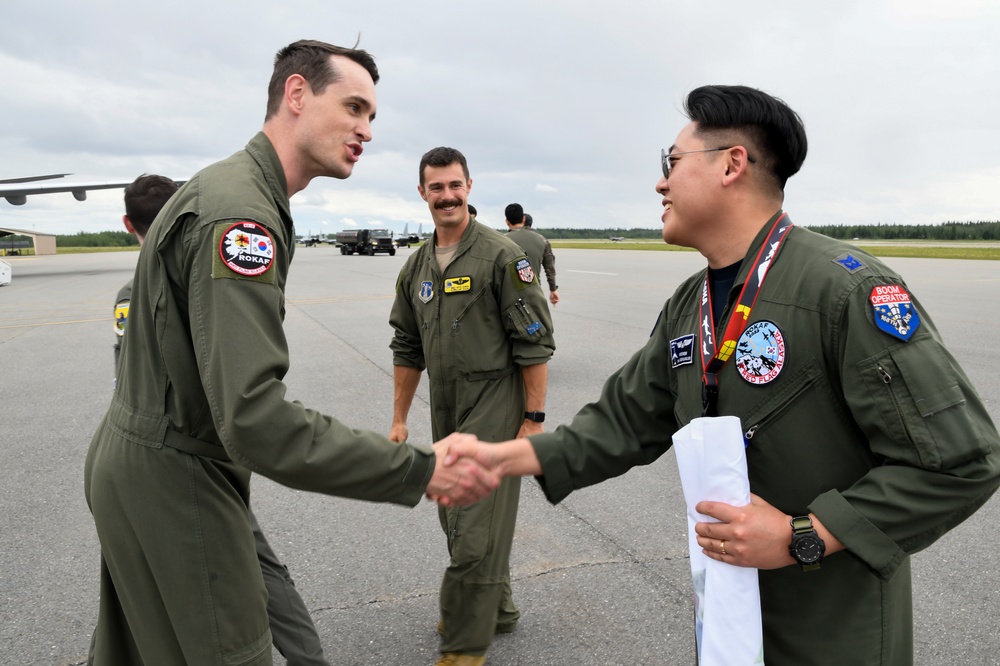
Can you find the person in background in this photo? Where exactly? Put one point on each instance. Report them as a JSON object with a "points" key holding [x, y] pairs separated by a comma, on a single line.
{"points": [[470, 311]]}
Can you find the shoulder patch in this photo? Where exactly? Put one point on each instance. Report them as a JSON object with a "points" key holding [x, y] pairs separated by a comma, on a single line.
{"points": [[849, 262], [245, 250], [121, 317], [521, 273], [760, 352], [893, 311]]}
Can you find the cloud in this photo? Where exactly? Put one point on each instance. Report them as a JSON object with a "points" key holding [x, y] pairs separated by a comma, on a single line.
{"points": [[545, 188]]}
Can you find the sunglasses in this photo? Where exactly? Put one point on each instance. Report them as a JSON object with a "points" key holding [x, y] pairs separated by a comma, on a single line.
{"points": [[666, 157]]}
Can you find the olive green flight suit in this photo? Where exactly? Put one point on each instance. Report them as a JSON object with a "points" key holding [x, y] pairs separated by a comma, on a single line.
{"points": [[472, 328], [292, 628], [199, 405], [885, 441]]}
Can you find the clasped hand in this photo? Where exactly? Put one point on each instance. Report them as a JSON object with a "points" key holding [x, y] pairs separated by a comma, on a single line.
{"points": [[460, 478]]}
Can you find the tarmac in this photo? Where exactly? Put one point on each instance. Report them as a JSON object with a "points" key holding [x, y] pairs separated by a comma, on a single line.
{"points": [[601, 578]]}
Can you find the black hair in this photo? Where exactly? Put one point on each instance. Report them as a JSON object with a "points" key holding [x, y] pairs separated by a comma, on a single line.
{"points": [[472, 210], [514, 213], [144, 197], [774, 134]]}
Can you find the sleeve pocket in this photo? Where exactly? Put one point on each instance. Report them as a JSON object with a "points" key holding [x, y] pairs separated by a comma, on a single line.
{"points": [[918, 392]]}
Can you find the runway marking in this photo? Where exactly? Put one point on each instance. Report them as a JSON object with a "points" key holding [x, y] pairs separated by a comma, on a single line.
{"points": [[591, 272], [57, 323]]}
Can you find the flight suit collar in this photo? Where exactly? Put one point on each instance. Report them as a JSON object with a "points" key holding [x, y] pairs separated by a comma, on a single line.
{"points": [[262, 151], [751, 254], [469, 236]]}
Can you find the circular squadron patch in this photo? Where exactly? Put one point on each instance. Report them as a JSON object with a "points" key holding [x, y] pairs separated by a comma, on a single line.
{"points": [[246, 248], [760, 352]]}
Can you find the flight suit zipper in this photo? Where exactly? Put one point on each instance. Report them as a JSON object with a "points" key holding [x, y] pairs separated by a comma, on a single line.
{"points": [[887, 380], [780, 409]]}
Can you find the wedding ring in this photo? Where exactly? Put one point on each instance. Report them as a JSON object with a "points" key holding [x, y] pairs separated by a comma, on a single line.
{"points": [[722, 547]]}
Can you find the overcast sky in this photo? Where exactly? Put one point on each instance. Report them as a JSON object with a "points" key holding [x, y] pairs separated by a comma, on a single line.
{"points": [[562, 106]]}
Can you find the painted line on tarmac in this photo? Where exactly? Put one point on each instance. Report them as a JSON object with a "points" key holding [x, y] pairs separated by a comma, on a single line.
{"points": [[591, 272]]}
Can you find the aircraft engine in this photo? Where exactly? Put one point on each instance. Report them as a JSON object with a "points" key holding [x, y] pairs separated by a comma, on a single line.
{"points": [[80, 195], [16, 199]]}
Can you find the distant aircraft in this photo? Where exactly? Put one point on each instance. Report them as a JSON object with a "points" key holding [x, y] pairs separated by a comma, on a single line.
{"points": [[17, 194], [616, 238], [407, 239]]}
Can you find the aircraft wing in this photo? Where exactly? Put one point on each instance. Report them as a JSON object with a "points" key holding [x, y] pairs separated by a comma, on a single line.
{"points": [[17, 190]]}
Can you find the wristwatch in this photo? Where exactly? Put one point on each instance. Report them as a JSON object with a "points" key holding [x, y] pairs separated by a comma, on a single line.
{"points": [[537, 417], [806, 547]]}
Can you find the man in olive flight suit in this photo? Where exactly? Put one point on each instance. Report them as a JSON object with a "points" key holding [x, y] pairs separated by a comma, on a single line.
{"points": [[200, 404], [292, 628], [548, 263], [862, 432], [470, 310], [534, 245]]}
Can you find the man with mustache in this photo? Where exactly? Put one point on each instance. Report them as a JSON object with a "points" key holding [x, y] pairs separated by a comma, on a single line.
{"points": [[470, 310]]}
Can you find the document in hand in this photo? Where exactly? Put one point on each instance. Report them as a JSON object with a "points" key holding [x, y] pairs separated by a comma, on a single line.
{"points": [[712, 461]]}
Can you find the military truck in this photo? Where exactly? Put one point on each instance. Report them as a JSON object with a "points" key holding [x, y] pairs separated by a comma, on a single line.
{"points": [[366, 241]]}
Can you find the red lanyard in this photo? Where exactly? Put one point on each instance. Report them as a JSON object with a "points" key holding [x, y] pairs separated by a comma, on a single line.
{"points": [[712, 361]]}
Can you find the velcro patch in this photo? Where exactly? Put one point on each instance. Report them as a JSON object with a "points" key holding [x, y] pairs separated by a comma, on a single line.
{"points": [[682, 350], [426, 291], [121, 318], [515, 268], [246, 251], [524, 270], [849, 262], [760, 352], [457, 284], [893, 311]]}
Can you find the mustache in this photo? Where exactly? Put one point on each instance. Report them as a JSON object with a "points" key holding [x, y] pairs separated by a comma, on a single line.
{"points": [[448, 203]]}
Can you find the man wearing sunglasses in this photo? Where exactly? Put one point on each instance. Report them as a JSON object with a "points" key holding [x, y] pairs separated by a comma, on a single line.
{"points": [[862, 433]]}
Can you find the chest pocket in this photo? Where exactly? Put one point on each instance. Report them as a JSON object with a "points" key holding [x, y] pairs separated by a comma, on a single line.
{"points": [[767, 412]]}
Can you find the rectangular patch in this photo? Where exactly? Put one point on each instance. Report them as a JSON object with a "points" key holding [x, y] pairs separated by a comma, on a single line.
{"points": [[682, 350], [457, 284]]}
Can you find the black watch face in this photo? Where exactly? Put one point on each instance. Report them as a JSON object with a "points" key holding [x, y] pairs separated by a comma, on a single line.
{"points": [[808, 549]]}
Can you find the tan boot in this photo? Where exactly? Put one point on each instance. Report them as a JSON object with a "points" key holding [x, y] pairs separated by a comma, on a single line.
{"points": [[458, 659]]}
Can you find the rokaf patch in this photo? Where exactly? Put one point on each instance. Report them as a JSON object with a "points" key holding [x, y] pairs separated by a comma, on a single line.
{"points": [[893, 311], [760, 352], [457, 284], [246, 249], [426, 291], [849, 262], [682, 350], [121, 318]]}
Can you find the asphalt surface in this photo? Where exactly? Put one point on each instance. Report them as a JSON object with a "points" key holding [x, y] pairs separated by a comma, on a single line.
{"points": [[602, 578]]}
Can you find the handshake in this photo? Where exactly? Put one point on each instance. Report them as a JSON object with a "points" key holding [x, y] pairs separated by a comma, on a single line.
{"points": [[467, 470], [464, 470]]}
